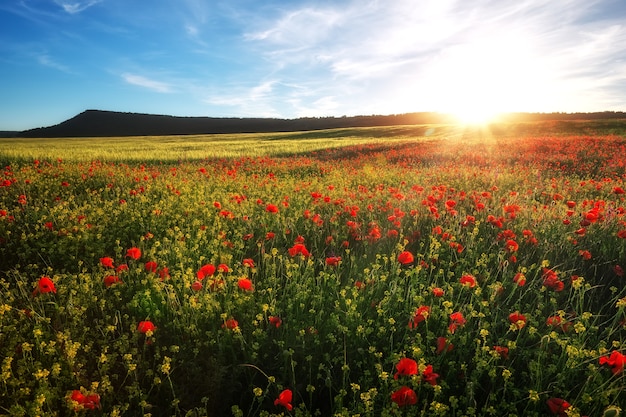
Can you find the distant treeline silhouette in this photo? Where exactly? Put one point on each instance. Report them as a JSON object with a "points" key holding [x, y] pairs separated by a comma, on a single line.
{"points": [[94, 123]]}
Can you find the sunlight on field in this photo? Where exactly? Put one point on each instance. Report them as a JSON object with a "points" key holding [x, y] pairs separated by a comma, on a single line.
{"points": [[379, 272], [200, 147], [183, 148]]}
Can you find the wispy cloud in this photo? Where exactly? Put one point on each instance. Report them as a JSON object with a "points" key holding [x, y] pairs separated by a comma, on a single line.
{"points": [[365, 48], [150, 84], [247, 100], [47, 61], [302, 28], [74, 7]]}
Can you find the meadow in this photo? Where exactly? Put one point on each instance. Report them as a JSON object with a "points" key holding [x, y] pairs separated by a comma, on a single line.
{"points": [[408, 270]]}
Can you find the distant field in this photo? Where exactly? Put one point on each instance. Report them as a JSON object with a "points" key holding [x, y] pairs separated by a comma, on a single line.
{"points": [[175, 148], [428, 270], [197, 147]]}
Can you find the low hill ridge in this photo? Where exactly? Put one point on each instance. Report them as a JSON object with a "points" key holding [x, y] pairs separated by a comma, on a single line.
{"points": [[94, 123]]}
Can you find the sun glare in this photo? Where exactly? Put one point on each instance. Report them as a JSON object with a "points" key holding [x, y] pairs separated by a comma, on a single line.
{"points": [[478, 80], [475, 115]]}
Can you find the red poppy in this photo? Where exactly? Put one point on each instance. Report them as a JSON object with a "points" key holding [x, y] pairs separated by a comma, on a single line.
{"points": [[151, 266], [374, 233], [619, 271], [106, 262], [519, 279], [146, 326], [111, 280], [121, 268], [558, 406], [92, 401], [271, 208], [443, 345], [420, 315], [406, 258], [230, 324], [404, 396], [558, 322], [468, 280], [511, 245], [469, 220], [333, 260], [284, 399], [44, 285], [502, 351], [77, 396], [245, 284], [456, 320], [519, 320], [196, 286], [615, 360], [275, 321], [457, 247], [298, 249], [223, 268], [133, 253], [438, 292], [406, 367], [88, 402], [429, 376], [551, 280], [163, 273], [205, 271], [248, 263]]}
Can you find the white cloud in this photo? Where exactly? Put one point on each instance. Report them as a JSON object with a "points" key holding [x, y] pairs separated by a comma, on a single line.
{"points": [[76, 6], [148, 83], [257, 100], [46, 60], [301, 28], [420, 55], [192, 30]]}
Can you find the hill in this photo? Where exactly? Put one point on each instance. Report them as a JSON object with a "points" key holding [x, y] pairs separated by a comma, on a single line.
{"points": [[99, 123]]}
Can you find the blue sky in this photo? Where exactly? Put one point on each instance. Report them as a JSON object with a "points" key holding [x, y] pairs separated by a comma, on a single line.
{"points": [[294, 58]]}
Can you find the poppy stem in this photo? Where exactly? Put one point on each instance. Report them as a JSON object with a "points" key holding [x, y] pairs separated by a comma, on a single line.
{"points": [[257, 368]]}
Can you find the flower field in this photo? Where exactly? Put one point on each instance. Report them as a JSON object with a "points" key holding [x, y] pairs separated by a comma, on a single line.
{"points": [[433, 276]]}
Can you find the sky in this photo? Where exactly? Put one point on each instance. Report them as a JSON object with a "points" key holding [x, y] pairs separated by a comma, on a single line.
{"points": [[306, 58]]}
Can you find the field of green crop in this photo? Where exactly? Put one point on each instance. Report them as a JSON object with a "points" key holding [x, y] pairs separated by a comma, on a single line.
{"points": [[427, 271]]}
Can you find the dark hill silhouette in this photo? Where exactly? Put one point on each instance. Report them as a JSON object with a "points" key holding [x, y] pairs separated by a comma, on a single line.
{"points": [[93, 123], [107, 123]]}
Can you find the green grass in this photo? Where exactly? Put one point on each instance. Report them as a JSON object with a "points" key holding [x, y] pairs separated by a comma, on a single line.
{"points": [[148, 149], [487, 203]]}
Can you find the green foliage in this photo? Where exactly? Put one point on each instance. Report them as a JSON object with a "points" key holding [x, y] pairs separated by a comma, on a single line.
{"points": [[536, 228]]}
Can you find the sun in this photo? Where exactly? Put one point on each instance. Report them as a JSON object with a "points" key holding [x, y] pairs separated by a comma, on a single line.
{"points": [[475, 115], [475, 93], [480, 79]]}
